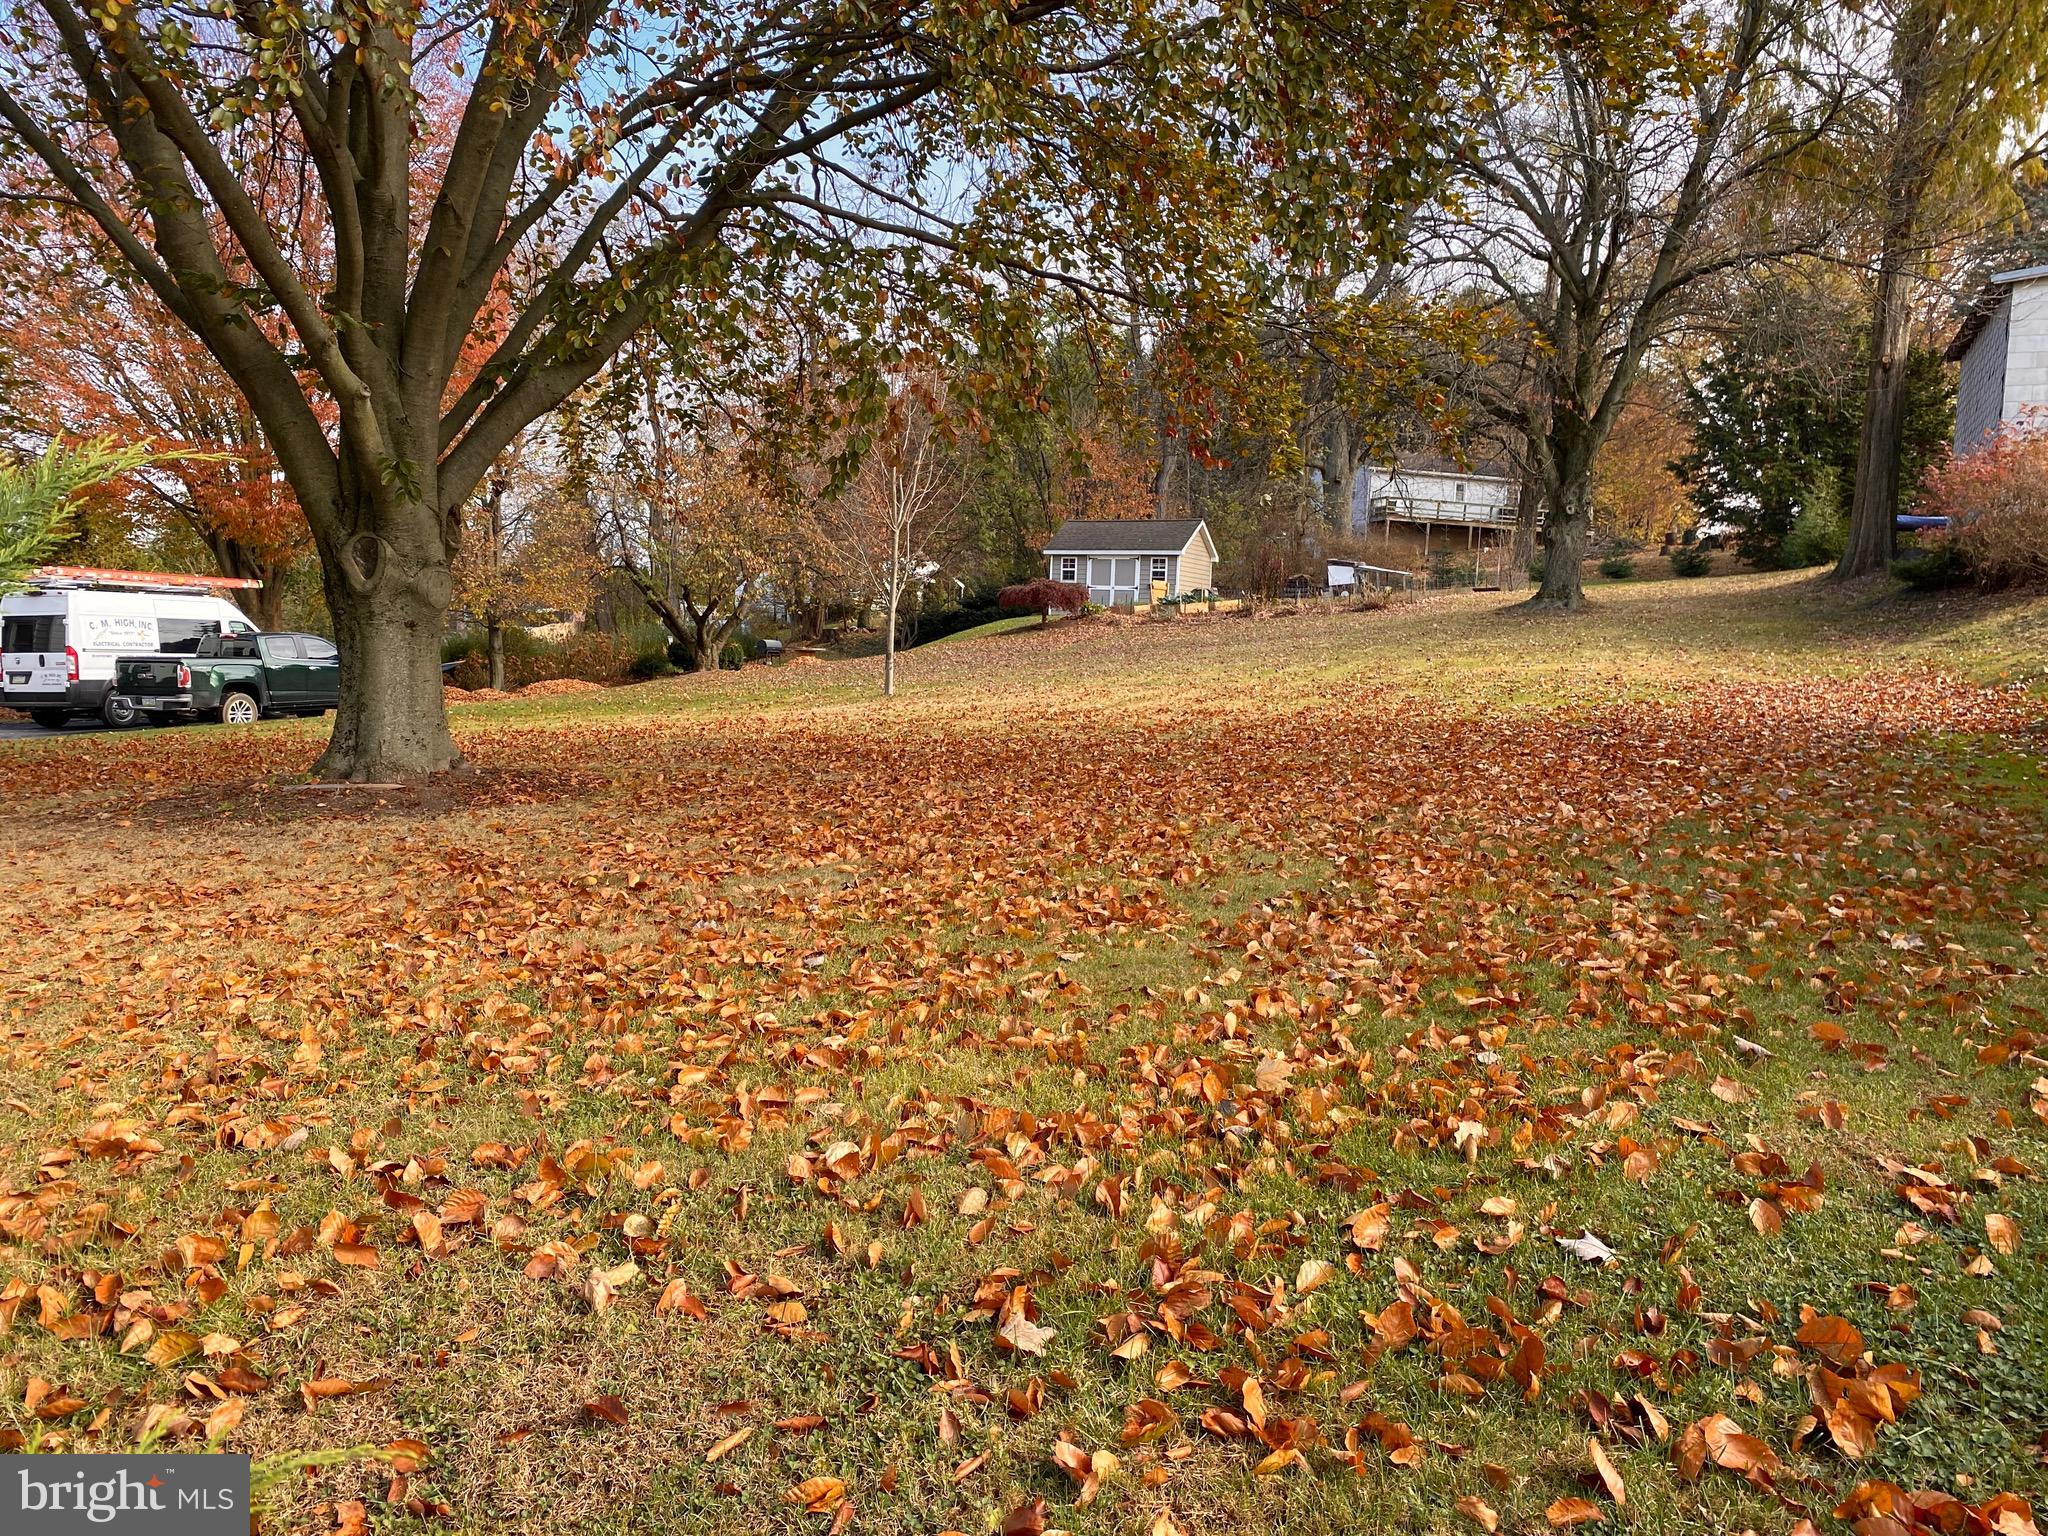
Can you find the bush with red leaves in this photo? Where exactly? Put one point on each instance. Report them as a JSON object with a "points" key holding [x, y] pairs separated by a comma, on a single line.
{"points": [[1043, 596], [1996, 497]]}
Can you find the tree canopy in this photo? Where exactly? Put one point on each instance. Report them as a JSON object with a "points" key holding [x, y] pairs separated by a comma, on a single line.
{"points": [[407, 231]]}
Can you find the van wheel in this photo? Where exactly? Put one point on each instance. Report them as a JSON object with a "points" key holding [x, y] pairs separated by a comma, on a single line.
{"points": [[239, 709], [119, 712], [50, 719]]}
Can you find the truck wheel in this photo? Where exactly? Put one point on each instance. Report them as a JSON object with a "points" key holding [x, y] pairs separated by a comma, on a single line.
{"points": [[119, 712], [239, 709], [50, 719]]}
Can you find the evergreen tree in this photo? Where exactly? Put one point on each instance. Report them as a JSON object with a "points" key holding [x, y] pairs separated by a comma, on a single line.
{"points": [[1769, 420]]}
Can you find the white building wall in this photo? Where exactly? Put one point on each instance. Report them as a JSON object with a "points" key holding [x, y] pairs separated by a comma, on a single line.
{"points": [[2026, 350], [1980, 381], [1481, 490], [1376, 482]]}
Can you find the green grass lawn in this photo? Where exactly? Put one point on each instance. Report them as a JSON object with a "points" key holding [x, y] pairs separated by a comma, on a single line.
{"points": [[1153, 1066], [999, 627]]}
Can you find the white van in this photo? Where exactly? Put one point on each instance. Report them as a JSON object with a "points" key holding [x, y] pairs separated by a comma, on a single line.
{"points": [[60, 637]]}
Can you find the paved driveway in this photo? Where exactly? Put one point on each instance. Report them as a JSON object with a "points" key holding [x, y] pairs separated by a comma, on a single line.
{"points": [[25, 730]]}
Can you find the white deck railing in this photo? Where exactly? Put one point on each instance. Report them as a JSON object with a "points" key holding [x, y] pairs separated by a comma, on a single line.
{"points": [[1424, 509]]}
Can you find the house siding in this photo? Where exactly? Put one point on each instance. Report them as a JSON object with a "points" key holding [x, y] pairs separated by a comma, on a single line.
{"points": [[1193, 571], [1489, 498], [1980, 381], [2026, 350]]}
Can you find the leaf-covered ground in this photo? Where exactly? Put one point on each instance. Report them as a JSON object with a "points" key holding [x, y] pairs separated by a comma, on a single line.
{"points": [[1425, 1070]]}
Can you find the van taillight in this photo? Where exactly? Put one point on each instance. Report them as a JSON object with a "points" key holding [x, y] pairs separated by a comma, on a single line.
{"points": [[184, 675], [70, 664]]}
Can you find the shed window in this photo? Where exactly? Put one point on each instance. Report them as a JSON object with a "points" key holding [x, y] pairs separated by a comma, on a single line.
{"points": [[1159, 567], [1067, 569]]}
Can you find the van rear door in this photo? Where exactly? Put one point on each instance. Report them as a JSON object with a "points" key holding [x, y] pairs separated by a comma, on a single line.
{"points": [[32, 642]]}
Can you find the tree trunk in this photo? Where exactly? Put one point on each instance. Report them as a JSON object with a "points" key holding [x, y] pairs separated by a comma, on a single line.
{"points": [[1874, 511], [1528, 513], [494, 640], [388, 620], [264, 605], [1566, 531], [889, 629], [1912, 148], [1337, 475]]}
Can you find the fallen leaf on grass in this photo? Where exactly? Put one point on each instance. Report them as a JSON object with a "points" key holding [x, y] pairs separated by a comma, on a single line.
{"points": [[1720, 1439], [730, 1443], [818, 1495], [1836, 1338], [1086, 1469], [1479, 1512], [1588, 1247], [605, 1410], [1314, 1273], [1609, 1478], [1023, 1335], [1564, 1512], [324, 1387]]}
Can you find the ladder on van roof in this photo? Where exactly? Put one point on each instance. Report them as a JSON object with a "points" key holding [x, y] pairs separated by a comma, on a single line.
{"points": [[90, 578]]}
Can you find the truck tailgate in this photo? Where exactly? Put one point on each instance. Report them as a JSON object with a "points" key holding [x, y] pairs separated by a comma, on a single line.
{"points": [[141, 677]]}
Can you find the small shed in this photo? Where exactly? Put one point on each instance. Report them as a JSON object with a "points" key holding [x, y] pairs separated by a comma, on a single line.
{"points": [[2002, 352], [1133, 562]]}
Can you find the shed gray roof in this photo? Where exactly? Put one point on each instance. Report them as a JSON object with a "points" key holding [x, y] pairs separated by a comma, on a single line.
{"points": [[1137, 536], [1985, 305]]}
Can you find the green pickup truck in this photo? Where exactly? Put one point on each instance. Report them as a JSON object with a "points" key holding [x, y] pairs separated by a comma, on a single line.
{"points": [[236, 679]]}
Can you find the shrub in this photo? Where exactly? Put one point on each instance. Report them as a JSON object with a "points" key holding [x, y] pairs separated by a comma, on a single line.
{"points": [[650, 664], [589, 657], [1618, 567], [732, 656], [1043, 595], [1447, 569], [941, 622], [1690, 560], [1820, 532], [1936, 566], [1996, 499]]}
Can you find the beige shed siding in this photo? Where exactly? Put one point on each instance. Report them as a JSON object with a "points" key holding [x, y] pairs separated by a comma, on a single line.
{"points": [[1196, 571]]}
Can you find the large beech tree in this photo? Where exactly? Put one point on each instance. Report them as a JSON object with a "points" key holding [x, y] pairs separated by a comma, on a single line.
{"points": [[937, 171], [1594, 201]]}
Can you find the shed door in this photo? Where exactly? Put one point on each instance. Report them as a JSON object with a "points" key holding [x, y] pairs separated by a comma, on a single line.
{"points": [[1112, 580]]}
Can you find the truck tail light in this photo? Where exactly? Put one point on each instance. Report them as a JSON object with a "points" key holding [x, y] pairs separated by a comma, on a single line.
{"points": [[184, 675], [70, 664]]}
